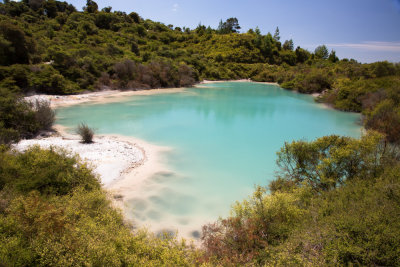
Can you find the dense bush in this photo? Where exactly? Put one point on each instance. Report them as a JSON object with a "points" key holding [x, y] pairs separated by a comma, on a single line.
{"points": [[20, 119], [17, 118], [44, 114], [29, 171], [335, 202], [59, 216]]}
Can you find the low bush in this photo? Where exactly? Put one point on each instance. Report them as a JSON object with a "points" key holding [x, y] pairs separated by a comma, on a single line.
{"points": [[85, 132], [44, 115]]}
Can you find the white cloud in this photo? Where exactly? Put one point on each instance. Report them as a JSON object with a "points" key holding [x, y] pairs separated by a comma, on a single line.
{"points": [[175, 7], [374, 46]]}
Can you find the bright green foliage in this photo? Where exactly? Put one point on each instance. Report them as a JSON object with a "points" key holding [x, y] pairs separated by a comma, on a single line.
{"points": [[48, 171], [330, 161], [336, 202], [53, 213], [255, 224], [321, 52]]}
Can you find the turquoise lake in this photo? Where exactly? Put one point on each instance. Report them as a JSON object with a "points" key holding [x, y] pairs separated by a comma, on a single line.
{"points": [[224, 138]]}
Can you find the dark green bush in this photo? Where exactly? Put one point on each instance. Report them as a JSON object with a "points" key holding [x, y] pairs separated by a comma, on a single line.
{"points": [[44, 115]]}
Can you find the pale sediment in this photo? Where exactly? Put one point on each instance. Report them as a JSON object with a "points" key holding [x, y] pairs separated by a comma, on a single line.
{"points": [[109, 157], [106, 96], [123, 164], [240, 80]]}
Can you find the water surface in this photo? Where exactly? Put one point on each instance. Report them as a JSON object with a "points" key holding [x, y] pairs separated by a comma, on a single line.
{"points": [[224, 138]]}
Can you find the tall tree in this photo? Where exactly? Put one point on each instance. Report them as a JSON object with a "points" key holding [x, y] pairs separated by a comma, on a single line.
{"points": [[332, 57], [321, 52], [15, 45], [229, 26], [288, 45], [276, 34], [91, 6]]}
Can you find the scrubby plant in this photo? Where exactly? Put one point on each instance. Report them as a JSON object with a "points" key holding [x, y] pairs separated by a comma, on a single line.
{"points": [[85, 132], [53, 212], [45, 115]]}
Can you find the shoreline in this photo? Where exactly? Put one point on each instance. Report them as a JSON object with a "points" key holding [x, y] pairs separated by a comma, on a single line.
{"points": [[110, 96], [238, 81], [98, 97], [123, 164], [137, 171]]}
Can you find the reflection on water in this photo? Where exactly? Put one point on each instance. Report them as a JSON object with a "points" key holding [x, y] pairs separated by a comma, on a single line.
{"points": [[224, 138]]}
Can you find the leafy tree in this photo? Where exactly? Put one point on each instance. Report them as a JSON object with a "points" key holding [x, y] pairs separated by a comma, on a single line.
{"points": [[288, 45], [321, 52], [332, 57], [135, 17], [36, 4], [231, 25], [15, 46], [330, 161], [50, 7], [91, 6], [302, 55], [107, 9], [277, 35], [385, 118], [16, 116]]}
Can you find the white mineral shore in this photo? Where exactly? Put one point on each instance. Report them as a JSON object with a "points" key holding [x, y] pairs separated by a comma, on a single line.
{"points": [[106, 96], [122, 163], [109, 157]]}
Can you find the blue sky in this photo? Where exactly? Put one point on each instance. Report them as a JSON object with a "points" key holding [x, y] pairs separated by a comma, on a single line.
{"points": [[366, 30]]}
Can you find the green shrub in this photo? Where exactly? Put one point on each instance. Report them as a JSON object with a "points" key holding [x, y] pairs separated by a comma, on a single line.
{"points": [[85, 132], [44, 115], [50, 171]]}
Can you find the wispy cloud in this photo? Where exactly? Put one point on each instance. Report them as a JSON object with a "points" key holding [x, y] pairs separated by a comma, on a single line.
{"points": [[374, 46], [175, 7]]}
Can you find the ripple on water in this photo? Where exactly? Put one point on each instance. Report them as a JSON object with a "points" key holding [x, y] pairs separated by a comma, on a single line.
{"points": [[139, 204], [183, 221], [195, 234], [154, 215]]}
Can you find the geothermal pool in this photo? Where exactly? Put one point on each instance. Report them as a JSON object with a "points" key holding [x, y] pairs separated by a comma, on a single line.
{"points": [[223, 139]]}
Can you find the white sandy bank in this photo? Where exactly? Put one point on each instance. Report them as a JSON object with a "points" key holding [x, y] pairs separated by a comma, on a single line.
{"points": [[105, 96], [110, 158]]}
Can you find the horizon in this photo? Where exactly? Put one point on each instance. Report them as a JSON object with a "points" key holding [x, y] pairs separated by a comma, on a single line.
{"points": [[364, 30]]}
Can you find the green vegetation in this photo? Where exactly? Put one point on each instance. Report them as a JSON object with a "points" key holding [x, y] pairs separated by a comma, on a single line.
{"points": [[20, 119], [85, 132], [335, 201], [60, 216]]}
